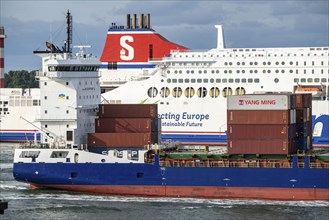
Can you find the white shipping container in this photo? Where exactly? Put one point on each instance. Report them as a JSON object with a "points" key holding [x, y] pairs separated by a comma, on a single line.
{"points": [[259, 102]]}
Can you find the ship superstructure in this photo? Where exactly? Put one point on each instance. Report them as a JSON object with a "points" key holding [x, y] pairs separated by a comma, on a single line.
{"points": [[191, 87]]}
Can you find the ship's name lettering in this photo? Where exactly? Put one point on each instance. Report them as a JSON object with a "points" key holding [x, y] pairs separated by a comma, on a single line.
{"points": [[260, 102]]}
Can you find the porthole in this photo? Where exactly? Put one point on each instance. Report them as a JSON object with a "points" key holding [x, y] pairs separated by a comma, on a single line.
{"points": [[276, 80], [177, 92], [240, 91], [168, 80], [189, 92], [214, 92], [227, 91], [202, 92], [152, 92], [164, 92]]}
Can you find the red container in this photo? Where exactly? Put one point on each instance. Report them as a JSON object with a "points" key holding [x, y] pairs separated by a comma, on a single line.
{"points": [[304, 100], [121, 139], [261, 117], [126, 125], [128, 111], [238, 131], [261, 146]]}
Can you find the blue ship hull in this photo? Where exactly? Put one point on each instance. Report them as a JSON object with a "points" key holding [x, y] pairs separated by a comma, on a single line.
{"points": [[154, 180]]}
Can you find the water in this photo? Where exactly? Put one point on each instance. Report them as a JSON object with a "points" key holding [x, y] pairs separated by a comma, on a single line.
{"points": [[25, 203]]}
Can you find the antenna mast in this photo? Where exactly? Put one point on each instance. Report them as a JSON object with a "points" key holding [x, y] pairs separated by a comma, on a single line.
{"points": [[69, 32]]}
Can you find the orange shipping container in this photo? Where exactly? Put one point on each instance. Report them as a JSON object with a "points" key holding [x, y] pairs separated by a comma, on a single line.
{"points": [[238, 131], [127, 125], [121, 139], [261, 146], [261, 117], [128, 111]]}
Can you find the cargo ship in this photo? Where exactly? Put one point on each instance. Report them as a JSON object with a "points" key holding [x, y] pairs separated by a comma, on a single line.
{"points": [[117, 149], [139, 65]]}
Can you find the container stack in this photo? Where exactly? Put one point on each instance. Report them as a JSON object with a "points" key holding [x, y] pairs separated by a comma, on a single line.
{"points": [[304, 122], [125, 126], [266, 123]]}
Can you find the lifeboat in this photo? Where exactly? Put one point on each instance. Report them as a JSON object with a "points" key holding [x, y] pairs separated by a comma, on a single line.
{"points": [[315, 91]]}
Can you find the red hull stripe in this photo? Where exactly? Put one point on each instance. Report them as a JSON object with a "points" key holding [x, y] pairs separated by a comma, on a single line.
{"points": [[204, 192]]}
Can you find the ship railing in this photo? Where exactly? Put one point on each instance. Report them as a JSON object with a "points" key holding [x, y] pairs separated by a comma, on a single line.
{"points": [[237, 163]]}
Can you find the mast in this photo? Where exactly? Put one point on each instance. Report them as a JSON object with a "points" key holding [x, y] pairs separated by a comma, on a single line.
{"points": [[69, 23]]}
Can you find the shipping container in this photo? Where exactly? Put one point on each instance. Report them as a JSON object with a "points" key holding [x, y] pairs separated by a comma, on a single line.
{"points": [[263, 131], [127, 125], [304, 129], [261, 117], [303, 100], [261, 146], [122, 139], [127, 111], [261, 102]]}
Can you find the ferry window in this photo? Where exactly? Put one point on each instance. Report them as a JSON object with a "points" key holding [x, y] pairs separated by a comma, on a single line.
{"points": [[240, 91], [282, 71], [264, 63], [205, 80], [250, 71], [218, 80], [230, 80], [312, 63], [230, 63], [192, 71], [212, 71], [276, 80], [316, 80], [238, 71], [268, 71], [168, 71], [312, 71], [277, 63], [309, 80], [291, 63], [226, 91], [225, 71], [175, 71], [46, 111], [69, 135], [186, 80], [303, 80], [256, 63], [256, 71], [202, 92], [250, 80], [174, 80], [225, 63], [243, 63], [214, 92], [189, 92], [291, 71], [324, 80], [199, 80], [192, 80], [296, 80], [224, 80], [180, 80], [268, 63], [237, 80], [67, 112], [264, 71], [187, 71], [204, 71], [67, 97], [217, 71], [276, 71], [67, 83], [238, 63], [45, 83], [230, 71], [180, 71], [45, 97], [256, 80], [282, 63], [200, 71], [177, 92], [243, 71], [152, 92], [168, 80], [212, 80]]}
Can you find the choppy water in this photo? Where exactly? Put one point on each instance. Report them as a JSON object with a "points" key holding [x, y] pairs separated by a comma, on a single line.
{"points": [[25, 203]]}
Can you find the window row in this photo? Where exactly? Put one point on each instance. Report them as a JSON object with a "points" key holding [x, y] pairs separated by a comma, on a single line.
{"points": [[73, 68], [224, 80], [245, 71], [190, 92]]}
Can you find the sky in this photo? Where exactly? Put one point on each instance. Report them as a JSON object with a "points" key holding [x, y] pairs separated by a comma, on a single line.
{"points": [[248, 24]]}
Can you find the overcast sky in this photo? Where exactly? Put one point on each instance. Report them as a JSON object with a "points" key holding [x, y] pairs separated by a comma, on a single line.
{"points": [[259, 23]]}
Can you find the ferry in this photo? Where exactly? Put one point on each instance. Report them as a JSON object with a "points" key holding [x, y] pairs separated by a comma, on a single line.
{"points": [[138, 65]]}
